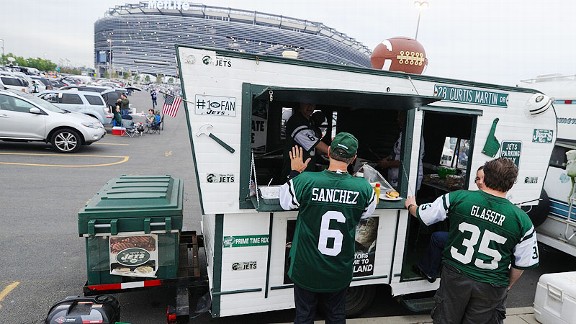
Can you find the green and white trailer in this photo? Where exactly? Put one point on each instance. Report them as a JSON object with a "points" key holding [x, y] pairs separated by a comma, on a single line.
{"points": [[236, 105]]}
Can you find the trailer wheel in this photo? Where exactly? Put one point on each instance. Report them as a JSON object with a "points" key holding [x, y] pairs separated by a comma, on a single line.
{"points": [[359, 299], [539, 213]]}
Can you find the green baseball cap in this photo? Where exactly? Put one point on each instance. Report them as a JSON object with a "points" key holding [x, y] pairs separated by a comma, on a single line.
{"points": [[344, 145]]}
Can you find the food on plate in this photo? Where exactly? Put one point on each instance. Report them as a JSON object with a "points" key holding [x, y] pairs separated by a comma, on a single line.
{"points": [[122, 270], [392, 194], [144, 269]]}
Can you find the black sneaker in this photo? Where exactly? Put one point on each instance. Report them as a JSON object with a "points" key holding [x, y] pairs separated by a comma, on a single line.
{"points": [[423, 274]]}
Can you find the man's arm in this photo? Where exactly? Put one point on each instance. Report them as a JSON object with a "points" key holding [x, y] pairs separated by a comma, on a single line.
{"points": [[514, 276], [322, 147], [287, 195]]}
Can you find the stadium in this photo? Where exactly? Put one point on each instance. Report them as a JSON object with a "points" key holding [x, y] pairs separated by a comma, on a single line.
{"points": [[142, 36]]}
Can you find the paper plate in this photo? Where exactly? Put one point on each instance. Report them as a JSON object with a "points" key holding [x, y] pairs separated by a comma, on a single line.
{"points": [[383, 197]]}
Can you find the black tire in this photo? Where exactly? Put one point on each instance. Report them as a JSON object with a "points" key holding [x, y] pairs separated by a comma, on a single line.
{"points": [[359, 299], [539, 213], [66, 141]]}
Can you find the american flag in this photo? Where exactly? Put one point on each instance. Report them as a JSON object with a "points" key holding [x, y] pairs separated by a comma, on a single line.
{"points": [[171, 105]]}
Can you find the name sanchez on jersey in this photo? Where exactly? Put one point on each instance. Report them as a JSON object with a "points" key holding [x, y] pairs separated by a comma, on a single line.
{"points": [[335, 195], [487, 214]]}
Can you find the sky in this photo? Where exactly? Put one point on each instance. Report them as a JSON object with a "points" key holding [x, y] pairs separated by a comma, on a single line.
{"points": [[494, 41]]}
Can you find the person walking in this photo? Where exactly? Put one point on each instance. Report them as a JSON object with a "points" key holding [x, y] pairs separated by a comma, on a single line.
{"points": [[490, 243], [154, 97], [331, 204]]}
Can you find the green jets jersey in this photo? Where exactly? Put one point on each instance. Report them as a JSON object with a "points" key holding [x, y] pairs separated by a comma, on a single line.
{"points": [[487, 235], [330, 206]]}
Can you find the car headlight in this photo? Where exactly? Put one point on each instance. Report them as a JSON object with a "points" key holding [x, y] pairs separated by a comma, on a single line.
{"points": [[95, 125]]}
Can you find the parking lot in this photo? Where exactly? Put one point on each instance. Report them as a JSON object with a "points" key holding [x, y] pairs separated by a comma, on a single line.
{"points": [[43, 258]]}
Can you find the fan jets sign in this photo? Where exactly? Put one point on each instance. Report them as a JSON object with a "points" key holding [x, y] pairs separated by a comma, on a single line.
{"points": [[168, 4]]}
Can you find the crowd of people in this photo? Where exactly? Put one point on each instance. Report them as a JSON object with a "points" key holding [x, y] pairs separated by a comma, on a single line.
{"points": [[488, 244]]}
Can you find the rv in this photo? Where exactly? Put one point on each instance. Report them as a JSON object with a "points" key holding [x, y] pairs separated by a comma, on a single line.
{"points": [[235, 103], [557, 213]]}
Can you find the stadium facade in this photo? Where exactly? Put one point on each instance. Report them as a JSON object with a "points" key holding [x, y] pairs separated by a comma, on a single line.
{"points": [[142, 36]]}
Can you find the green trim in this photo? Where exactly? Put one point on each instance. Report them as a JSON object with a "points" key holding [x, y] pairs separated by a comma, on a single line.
{"points": [[245, 147], [369, 278], [406, 149], [269, 254], [363, 70], [395, 243], [282, 287], [217, 267], [452, 110], [232, 292], [188, 125]]}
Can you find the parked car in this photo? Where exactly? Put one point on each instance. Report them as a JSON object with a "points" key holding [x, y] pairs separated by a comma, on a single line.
{"points": [[89, 103], [110, 95], [13, 82], [44, 83], [25, 117], [56, 83]]}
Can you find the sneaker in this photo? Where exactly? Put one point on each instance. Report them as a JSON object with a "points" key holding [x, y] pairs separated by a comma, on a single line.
{"points": [[423, 274]]}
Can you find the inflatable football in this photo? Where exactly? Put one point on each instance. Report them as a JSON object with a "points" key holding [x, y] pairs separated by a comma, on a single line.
{"points": [[401, 54]]}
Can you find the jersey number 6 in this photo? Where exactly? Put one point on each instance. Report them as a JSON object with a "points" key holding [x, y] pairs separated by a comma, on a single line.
{"points": [[326, 234]]}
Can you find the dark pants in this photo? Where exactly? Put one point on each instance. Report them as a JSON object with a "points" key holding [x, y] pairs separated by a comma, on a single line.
{"points": [[431, 262], [333, 304], [461, 300]]}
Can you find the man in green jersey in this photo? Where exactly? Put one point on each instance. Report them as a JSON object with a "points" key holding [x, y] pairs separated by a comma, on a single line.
{"points": [[330, 203], [490, 243]]}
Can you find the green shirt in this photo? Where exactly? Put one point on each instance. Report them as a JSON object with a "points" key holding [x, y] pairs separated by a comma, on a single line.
{"points": [[487, 235], [330, 206]]}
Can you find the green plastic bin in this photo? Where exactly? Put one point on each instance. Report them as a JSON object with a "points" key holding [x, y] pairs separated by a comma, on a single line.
{"points": [[132, 206]]}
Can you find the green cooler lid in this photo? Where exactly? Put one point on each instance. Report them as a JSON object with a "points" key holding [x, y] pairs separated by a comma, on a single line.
{"points": [[136, 196]]}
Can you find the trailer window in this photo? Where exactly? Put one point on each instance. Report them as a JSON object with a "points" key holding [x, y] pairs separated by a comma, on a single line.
{"points": [[448, 140], [455, 153], [371, 117], [558, 158]]}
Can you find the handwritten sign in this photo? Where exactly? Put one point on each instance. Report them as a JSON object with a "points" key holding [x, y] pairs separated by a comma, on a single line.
{"points": [[217, 106]]}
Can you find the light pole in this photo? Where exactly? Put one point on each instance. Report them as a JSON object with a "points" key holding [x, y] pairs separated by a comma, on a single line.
{"points": [[420, 5], [2, 50], [110, 55]]}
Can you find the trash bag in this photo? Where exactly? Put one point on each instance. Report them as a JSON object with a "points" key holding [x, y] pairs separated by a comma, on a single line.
{"points": [[373, 176]]}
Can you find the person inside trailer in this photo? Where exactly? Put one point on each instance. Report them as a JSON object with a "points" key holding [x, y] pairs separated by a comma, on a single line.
{"points": [[301, 131], [393, 164]]}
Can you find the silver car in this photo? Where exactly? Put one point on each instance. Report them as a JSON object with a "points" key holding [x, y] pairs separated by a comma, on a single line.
{"points": [[25, 117], [88, 103]]}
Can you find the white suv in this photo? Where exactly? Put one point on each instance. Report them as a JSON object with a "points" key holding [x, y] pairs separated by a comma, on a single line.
{"points": [[25, 117], [89, 103]]}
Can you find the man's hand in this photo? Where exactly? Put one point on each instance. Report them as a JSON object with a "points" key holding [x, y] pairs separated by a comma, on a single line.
{"points": [[296, 162]]}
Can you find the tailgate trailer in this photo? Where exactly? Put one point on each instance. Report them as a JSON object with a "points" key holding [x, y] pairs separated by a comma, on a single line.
{"points": [[245, 101]]}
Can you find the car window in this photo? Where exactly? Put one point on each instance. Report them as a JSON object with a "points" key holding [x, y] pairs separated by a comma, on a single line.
{"points": [[94, 100], [6, 102], [71, 99], [11, 81], [14, 104], [111, 97], [50, 97]]}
